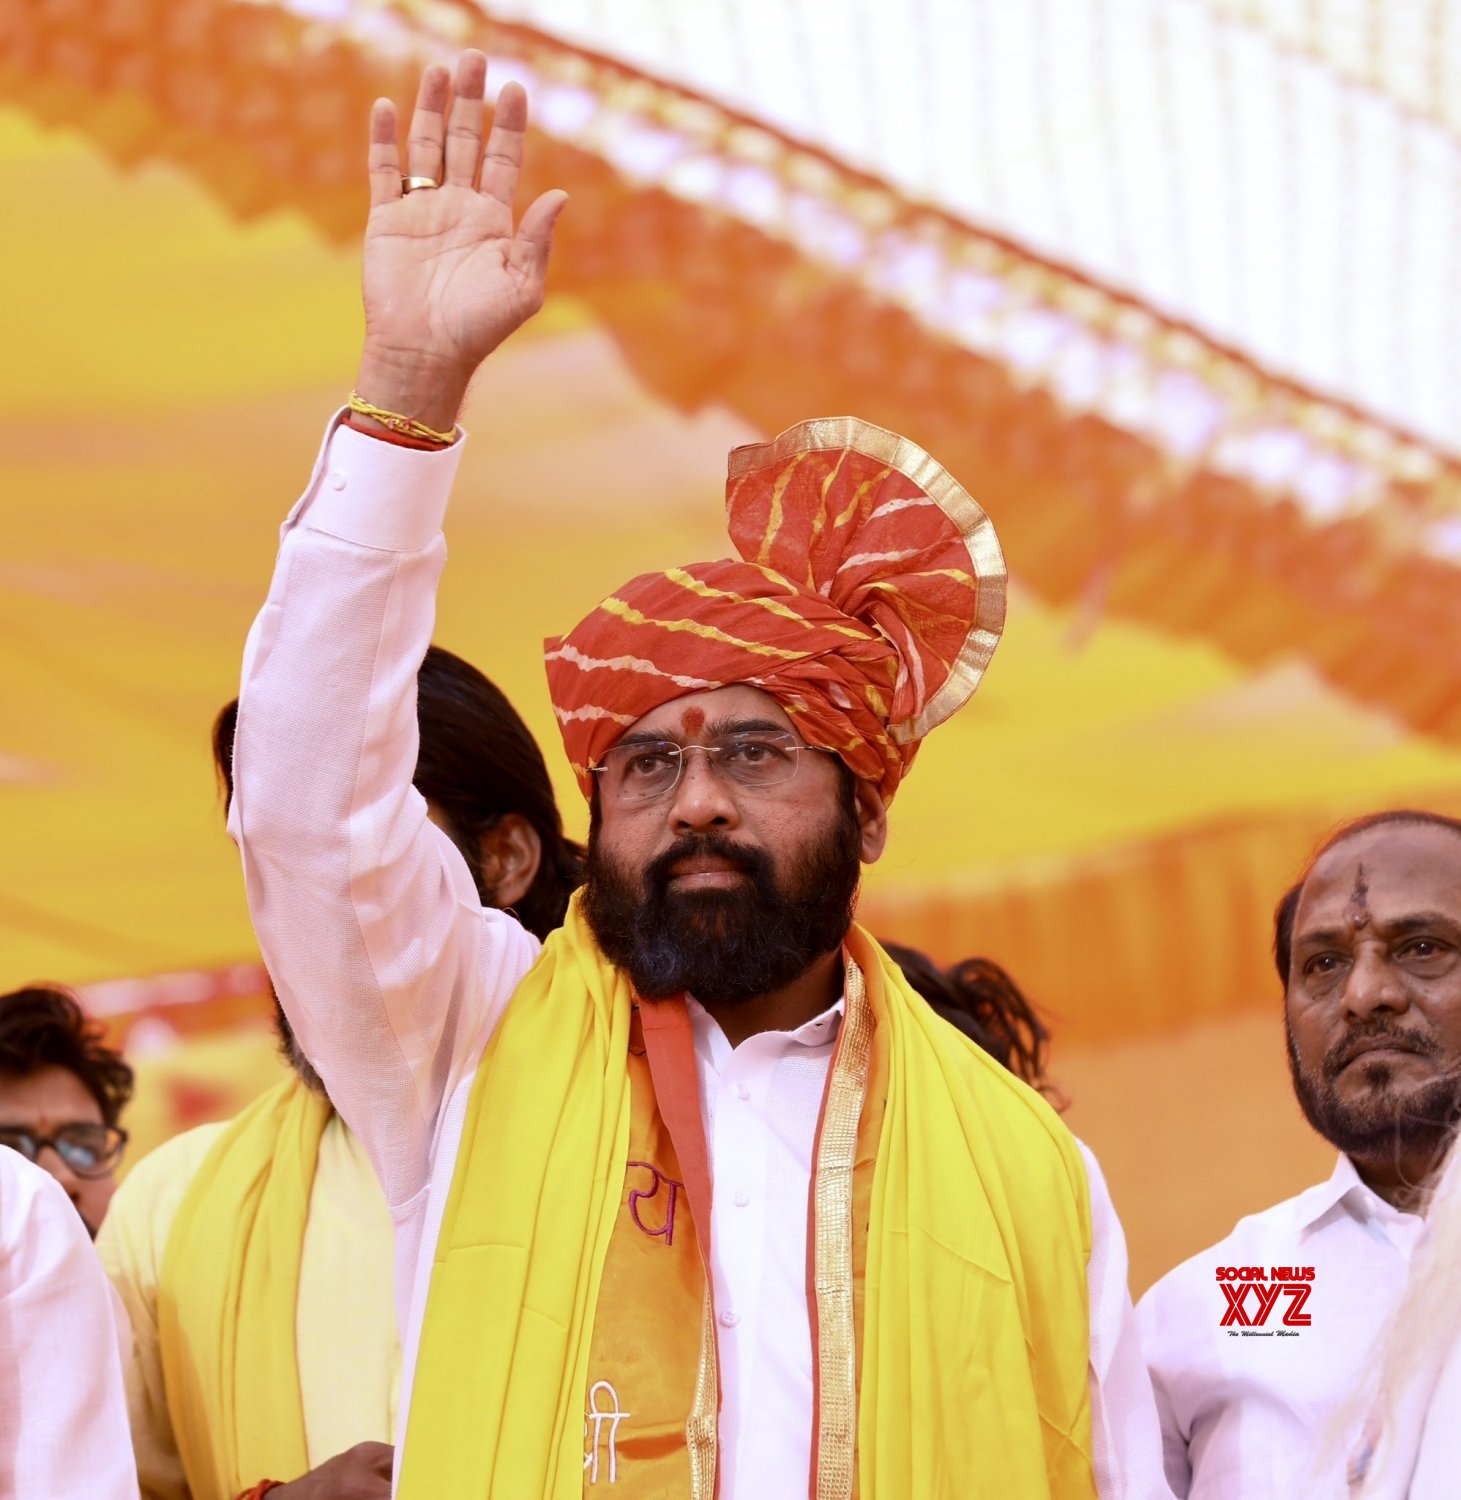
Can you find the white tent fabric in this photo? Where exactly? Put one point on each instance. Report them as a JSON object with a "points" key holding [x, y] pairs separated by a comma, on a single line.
{"points": [[1284, 176]]}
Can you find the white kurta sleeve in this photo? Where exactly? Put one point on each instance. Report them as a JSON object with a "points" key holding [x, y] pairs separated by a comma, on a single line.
{"points": [[391, 972], [63, 1411], [1166, 1320], [1126, 1436]]}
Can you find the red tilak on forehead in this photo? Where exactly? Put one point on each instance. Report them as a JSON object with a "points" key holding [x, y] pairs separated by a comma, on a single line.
{"points": [[692, 721]]}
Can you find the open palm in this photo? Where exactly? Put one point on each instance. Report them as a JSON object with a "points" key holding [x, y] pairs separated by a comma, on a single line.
{"points": [[447, 276]]}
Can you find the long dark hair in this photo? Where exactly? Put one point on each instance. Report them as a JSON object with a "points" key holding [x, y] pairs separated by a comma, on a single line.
{"points": [[477, 762], [985, 1003]]}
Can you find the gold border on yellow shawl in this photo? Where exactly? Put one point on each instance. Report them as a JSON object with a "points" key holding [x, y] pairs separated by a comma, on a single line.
{"points": [[836, 1450], [977, 530], [700, 1429]]}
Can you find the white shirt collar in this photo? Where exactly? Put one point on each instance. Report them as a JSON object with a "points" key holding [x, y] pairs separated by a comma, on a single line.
{"points": [[817, 1032], [1344, 1191]]}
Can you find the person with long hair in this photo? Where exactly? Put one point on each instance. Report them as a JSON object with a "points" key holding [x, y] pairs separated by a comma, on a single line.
{"points": [[1402, 1431], [980, 998], [255, 1256]]}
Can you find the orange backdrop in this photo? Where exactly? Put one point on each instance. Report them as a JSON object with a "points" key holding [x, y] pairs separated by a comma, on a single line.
{"points": [[1196, 679]]}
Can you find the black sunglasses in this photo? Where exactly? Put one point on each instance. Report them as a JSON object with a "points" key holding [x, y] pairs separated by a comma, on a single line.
{"points": [[89, 1150]]}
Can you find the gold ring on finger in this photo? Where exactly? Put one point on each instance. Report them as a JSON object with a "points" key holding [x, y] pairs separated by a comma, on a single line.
{"points": [[410, 184]]}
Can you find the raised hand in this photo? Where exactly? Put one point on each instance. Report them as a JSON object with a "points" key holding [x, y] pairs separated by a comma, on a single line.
{"points": [[447, 275]]}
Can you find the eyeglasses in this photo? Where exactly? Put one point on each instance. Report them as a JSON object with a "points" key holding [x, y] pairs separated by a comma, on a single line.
{"points": [[89, 1150], [754, 758]]}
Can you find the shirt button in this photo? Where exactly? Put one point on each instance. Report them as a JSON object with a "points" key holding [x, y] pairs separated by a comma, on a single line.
{"points": [[729, 1319], [742, 1199], [742, 1092], [337, 479]]}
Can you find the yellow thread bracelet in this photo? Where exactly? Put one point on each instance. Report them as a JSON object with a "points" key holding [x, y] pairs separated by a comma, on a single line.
{"points": [[397, 422]]}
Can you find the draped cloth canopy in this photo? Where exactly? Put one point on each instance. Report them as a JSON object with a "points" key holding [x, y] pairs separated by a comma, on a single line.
{"points": [[1221, 447], [868, 601]]}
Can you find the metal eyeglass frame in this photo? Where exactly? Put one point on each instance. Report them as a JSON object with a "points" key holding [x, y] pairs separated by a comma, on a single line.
{"points": [[715, 751]]}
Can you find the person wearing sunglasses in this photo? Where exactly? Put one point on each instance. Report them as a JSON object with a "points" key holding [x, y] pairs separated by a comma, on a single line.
{"points": [[62, 1091]]}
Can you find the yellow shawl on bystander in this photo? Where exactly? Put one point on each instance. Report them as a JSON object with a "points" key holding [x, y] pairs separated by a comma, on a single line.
{"points": [[230, 1279]]}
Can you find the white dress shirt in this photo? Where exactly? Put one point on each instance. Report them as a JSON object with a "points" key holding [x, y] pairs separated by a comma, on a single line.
{"points": [[1259, 1412], [394, 976], [63, 1412]]}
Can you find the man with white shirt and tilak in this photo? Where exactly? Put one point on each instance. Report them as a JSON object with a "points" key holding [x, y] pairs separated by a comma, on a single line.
{"points": [[1259, 1346], [700, 1199]]}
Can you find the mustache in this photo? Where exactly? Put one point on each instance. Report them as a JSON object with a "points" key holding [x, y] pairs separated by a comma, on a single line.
{"points": [[726, 944], [1361, 1039], [754, 862]]}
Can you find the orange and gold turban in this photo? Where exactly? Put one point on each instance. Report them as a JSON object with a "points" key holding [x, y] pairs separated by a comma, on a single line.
{"points": [[868, 603]]}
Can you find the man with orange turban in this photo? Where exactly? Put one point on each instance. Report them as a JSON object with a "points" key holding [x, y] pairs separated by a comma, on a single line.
{"points": [[700, 1198]]}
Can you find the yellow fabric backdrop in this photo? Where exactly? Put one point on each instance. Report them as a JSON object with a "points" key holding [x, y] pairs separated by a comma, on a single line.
{"points": [[1113, 816], [169, 374]]}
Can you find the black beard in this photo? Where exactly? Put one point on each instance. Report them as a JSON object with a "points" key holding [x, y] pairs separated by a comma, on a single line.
{"points": [[724, 947], [1389, 1124], [292, 1052]]}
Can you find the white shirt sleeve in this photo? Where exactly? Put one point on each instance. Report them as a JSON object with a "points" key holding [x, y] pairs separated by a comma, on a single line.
{"points": [[391, 972], [63, 1412], [1162, 1317], [1126, 1436]]}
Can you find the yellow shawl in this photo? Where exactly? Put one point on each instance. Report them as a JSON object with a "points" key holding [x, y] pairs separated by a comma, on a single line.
{"points": [[227, 1295], [974, 1340]]}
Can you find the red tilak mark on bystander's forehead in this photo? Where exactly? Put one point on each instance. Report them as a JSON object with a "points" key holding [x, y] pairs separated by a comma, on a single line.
{"points": [[1358, 910], [692, 721]]}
